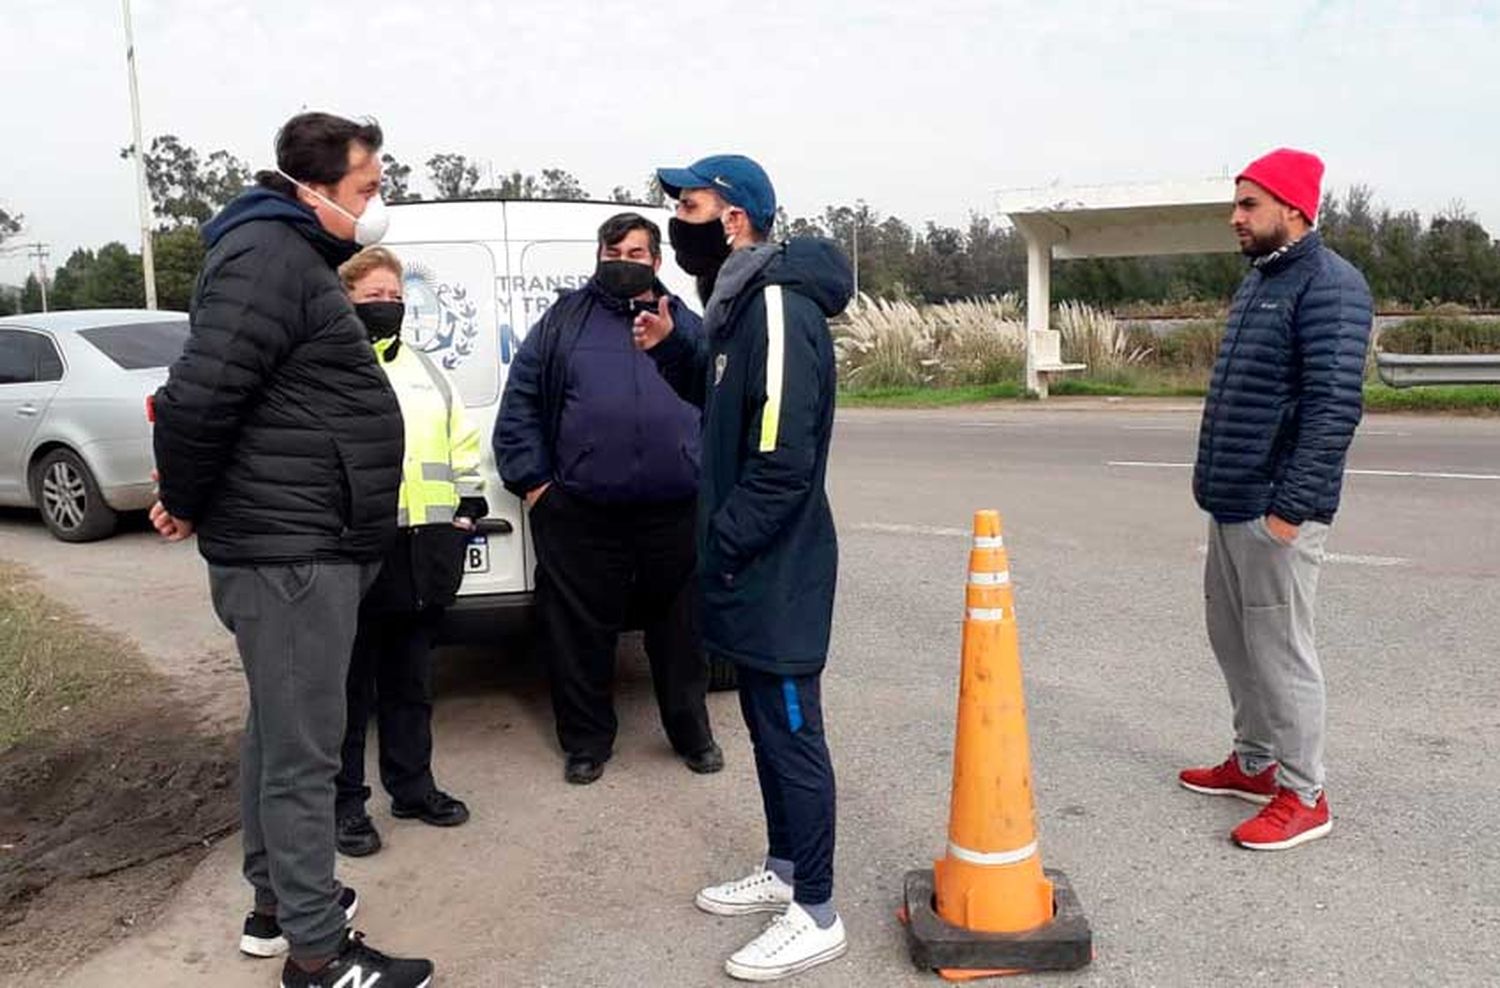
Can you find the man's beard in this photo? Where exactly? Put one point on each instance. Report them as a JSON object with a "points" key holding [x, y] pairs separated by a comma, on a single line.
{"points": [[1270, 243]]}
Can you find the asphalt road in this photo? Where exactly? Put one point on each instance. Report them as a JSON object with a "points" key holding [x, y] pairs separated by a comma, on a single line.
{"points": [[557, 885]]}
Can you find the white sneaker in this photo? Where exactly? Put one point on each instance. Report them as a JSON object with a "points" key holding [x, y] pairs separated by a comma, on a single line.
{"points": [[792, 942], [761, 891]]}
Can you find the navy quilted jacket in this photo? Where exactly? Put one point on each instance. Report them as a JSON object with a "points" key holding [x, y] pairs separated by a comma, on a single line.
{"points": [[1286, 393]]}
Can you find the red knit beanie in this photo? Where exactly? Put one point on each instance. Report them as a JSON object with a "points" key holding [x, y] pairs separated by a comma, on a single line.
{"points": [[1292, 176]]}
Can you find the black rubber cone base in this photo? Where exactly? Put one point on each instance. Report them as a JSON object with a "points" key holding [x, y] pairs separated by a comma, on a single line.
{"points": [[1065, 944]]}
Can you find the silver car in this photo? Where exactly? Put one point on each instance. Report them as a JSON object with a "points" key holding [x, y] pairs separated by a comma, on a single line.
{"points": [[75, 441]]}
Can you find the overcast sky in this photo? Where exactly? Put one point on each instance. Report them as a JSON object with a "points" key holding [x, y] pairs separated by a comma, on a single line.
{"points": [[924, 109]]}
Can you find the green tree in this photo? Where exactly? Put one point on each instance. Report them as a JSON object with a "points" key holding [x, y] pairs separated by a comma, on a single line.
{"points": [[560, 184], [621, 194], [1459, 262], [518, 186], [187, 188], [9, 225], [453, 176], [179, 257], [395, 181], [31, 295], [108, 278]]}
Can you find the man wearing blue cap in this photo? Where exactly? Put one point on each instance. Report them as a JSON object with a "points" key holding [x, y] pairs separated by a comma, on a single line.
{"points": [[763, 372]]}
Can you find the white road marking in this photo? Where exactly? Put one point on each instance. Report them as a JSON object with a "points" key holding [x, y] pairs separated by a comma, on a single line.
{"points": [[893, 529], [1347, 559], [890, 528], [1418, 474]]}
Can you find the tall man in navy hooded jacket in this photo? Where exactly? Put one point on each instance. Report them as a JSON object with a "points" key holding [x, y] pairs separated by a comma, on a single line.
{"points": [[606, 455], [1283, 404], [768, 554]]}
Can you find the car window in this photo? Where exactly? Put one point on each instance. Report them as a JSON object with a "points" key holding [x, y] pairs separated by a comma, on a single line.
{"points": [[27, 357], [137, 346]]}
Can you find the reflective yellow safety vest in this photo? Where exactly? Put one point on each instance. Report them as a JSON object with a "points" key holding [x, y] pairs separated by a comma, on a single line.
{"points": [[442, 447]]}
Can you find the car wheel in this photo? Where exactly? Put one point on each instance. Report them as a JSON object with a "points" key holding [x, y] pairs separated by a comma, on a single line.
{"points": [[64, 490], [722, 675]]}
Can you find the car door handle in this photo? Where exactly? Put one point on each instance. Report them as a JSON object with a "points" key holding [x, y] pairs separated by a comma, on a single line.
{"points": [[26, 411]]}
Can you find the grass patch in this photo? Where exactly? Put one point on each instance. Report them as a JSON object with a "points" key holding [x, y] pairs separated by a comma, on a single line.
{"points": [[1472, 399], [52, 663], [920, 397], [1085, 386]]}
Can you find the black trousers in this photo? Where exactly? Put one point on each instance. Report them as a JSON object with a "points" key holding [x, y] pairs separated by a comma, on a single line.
{"points": [[390, 676], [785, 718], [597, 564]]}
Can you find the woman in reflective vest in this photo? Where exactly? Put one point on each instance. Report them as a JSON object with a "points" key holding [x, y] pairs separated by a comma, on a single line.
{"points": [[390, 671]]}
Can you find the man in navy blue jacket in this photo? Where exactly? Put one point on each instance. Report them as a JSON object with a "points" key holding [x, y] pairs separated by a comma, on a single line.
{"points": [[763, 372], [1285, 399], [606, 457]]}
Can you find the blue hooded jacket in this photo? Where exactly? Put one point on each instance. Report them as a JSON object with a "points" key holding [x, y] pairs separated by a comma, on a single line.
{"points": [[765, 377]]}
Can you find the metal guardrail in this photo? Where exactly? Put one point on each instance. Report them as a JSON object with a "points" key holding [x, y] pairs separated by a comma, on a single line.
{"points": [[1409, 370]]}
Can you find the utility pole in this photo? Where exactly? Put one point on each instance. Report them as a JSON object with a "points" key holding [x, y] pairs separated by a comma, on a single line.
{"points": [[148, 259], [39, 252], [856, 255]]}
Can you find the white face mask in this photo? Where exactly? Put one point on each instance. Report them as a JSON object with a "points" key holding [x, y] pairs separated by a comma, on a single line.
{"points": [[369, 226]]}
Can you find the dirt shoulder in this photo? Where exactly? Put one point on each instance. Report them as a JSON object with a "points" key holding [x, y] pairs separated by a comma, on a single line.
{"points": [[113, 789]]}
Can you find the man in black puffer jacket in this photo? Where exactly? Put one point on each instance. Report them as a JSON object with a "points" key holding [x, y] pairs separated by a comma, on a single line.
{"points": [[279, 441], [1282, 408]]}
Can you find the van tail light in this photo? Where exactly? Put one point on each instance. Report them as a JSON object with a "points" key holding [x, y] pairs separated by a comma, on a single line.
{"points": [[151, 409]]}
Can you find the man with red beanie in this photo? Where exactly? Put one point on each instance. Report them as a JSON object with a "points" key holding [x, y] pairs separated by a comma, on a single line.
{"points": [[1283, 404]]}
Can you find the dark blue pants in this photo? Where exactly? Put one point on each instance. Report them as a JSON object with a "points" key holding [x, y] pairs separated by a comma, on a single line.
{"points": [[785, 718]]}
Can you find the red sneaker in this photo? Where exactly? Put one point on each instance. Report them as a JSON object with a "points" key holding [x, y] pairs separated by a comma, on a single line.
{"points": [[1229, 780], [1285, 823]]}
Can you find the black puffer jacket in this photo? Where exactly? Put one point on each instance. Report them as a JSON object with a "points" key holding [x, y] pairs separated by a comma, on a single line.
{"points": [[1287, 389], [276, 432]]}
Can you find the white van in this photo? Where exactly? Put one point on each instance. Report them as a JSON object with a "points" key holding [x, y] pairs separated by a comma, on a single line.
{"points": [[479, 273]]}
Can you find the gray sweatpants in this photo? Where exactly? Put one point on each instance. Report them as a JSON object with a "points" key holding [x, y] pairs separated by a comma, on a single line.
{"points": [[1259, 598], [294, 626]]}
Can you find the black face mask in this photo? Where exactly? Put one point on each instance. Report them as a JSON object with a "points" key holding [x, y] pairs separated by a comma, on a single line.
{"points": [[701, 248], [381, 319], [624, 279]]}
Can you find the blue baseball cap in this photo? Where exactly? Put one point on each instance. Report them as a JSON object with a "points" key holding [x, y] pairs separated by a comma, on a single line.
{"points": [[739, 180]]}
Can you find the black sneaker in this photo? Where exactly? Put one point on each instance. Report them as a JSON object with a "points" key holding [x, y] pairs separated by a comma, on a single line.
{"points": [[262, 936], [355, 835], [357, 966], [582, 770], [708, 761], [437, 808]]}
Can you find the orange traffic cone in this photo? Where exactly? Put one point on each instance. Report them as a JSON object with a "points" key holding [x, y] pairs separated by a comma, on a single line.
{"points": [[988, 907]]}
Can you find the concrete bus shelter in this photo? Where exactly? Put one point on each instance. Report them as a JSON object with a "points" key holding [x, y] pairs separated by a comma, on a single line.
{"points": [[1107, 221]]}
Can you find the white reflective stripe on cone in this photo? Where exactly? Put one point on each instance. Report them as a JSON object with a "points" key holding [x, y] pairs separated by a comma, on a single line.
{"points": [[989, 542], [992, 858], [986, 614], [990, 579]]}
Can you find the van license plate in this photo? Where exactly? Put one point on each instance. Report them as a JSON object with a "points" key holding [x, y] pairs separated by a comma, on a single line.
{"points": [[477, 555]]}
